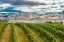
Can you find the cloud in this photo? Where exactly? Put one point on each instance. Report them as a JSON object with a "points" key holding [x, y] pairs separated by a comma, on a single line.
{"points": [[30, 3], [22, 2], [30, 8]]}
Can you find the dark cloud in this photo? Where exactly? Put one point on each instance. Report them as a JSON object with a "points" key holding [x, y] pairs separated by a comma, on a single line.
{"points": [[27, 3], [21, 2]]}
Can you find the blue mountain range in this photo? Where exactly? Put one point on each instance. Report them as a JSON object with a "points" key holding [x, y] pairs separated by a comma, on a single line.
{"points": [[9, 9], [54, 13]]}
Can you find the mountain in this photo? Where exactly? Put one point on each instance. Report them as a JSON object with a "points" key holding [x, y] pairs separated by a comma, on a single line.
{"points": [[54, 13], [10, 9]]}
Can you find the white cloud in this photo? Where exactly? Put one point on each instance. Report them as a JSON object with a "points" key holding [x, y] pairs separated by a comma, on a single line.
{"points": [[46, 1], [38, 8], [4, 5]]}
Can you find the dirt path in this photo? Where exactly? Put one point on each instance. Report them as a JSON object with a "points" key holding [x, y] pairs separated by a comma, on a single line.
{"points": [[6, 34], [21, 37], [39, 38]]}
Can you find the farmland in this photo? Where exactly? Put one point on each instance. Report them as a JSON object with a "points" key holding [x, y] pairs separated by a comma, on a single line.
{"points": [[32, 32]]}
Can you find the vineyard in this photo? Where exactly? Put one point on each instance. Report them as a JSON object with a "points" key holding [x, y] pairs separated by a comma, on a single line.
{"points": [[32, 32]]}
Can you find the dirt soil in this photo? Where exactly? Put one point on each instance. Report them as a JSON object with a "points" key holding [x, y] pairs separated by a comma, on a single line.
{"points": [[6, 34], [20, 35]]}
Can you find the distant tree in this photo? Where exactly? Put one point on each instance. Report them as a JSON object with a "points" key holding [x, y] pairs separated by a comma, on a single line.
{"points": [[48, 21], [63, 12]]}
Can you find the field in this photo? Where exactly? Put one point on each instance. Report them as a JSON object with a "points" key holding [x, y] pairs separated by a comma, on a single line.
{"points": [[32, 32]]}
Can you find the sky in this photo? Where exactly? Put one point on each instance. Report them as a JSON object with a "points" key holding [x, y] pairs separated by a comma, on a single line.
{"points": [[22, 2], [34, 5], [28, 2]]}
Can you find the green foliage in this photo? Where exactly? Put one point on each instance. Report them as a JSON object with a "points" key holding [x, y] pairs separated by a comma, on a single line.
{"points": [[56, 26], [42, 32], [52, 30], [14, 37], [27, 32], [2, 27]]}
